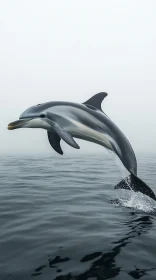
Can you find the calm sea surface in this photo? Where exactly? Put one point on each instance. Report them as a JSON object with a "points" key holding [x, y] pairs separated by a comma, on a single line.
{"points": [[60, 218]]}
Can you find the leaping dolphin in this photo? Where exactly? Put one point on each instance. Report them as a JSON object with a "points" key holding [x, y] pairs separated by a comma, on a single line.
{"points": [[87, 121]]}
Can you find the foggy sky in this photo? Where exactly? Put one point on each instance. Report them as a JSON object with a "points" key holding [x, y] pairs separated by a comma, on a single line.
{"points": [[70, 50]]}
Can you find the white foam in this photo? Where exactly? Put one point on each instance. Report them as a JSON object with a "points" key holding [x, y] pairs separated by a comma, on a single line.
{"points": [[135, 200]]}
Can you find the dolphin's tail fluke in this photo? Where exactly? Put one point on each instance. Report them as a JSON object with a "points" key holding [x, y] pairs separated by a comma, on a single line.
{"points": [[135, 184]]}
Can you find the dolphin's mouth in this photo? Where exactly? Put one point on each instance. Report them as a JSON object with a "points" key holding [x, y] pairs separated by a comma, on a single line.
{"points": [[18, 123]]}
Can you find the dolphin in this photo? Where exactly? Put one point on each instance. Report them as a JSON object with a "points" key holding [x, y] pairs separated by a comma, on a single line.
{"points": [[87, 121]]}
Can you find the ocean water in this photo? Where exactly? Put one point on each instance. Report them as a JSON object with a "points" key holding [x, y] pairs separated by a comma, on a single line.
{"points": [[60, 218]]}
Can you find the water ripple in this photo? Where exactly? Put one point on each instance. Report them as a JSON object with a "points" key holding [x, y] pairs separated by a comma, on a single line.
{"points": [[58, 221]]}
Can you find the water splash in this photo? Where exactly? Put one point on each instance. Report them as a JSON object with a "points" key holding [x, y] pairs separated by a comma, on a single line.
{"points": [[135, 200]]}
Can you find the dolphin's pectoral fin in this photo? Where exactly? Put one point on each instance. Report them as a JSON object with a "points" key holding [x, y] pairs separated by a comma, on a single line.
{"points": [[54, 140], [65, 135], [135, 184], [96, 100]]}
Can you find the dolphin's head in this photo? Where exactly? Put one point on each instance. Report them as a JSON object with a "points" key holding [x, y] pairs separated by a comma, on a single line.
{"points": [[33, 117]]}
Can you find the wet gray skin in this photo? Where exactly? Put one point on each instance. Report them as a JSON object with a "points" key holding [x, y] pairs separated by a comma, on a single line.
{"points": [[66, 120]]}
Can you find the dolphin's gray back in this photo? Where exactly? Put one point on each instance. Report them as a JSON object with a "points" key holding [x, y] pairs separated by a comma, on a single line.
{"points": [[94, 126], [88, 123], [126, 153]]}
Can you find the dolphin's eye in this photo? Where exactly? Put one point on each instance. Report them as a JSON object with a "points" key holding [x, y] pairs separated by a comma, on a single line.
{"points": [[42, 116], [39, 104]]}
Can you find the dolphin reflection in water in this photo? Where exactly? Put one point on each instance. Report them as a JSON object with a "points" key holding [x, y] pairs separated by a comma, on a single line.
{"points": [[103, 264], [87, 121]]}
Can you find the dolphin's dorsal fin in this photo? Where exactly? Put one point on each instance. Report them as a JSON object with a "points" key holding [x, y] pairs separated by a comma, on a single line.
{"points": [[96, 100]]}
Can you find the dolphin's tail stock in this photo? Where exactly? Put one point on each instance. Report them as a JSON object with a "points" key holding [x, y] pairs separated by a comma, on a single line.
{"points": [[135, 184]]}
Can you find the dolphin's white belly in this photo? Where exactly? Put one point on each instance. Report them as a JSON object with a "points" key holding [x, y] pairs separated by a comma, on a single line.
{"points": [[80, 130]]}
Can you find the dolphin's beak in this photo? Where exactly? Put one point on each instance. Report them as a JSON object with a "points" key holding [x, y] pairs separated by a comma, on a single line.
{"points": [[17, 124]]}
